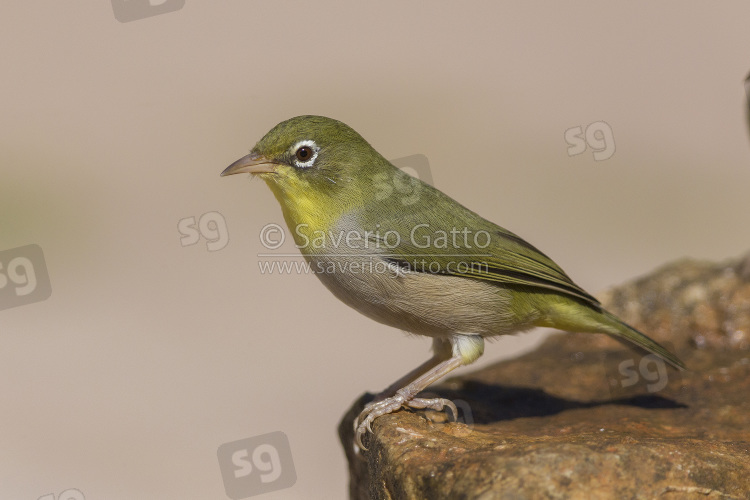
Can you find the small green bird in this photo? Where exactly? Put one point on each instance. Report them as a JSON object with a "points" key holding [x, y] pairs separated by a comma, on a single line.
{"points": [[422, 263]]}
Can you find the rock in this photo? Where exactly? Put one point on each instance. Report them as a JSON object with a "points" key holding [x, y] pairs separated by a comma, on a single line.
{"points": [[581, 417]]}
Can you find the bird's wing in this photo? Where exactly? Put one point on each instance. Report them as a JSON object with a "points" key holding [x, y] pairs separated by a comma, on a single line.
{"points": [[485, 251]]}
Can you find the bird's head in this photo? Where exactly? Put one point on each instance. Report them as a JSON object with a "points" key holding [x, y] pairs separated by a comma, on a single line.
{"points": [[318, 169], [310, 157]]}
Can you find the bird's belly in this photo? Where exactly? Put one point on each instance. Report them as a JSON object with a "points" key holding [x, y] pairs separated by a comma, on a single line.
{"points": [[427, 304]]}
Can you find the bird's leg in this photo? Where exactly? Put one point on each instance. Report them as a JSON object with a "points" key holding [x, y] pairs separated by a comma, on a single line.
{"points": [[459, 350], [441, 351], [405, 397]]}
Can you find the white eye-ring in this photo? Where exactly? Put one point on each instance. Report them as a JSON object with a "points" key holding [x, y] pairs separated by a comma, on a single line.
{"points": [[305, 152]]}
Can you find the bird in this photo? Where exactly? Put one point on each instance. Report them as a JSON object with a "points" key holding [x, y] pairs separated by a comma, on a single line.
{"points": [[405, 254]]}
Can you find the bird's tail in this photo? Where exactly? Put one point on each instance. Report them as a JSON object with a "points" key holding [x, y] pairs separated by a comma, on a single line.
{"points": [[572, 316], [622, 330]]}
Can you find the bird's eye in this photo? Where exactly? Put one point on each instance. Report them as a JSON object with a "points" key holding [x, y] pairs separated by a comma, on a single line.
{"points": [[304, 153]]}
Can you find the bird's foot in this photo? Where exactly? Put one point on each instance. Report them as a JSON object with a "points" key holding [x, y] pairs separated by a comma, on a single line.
{"points": [[375, 409]]}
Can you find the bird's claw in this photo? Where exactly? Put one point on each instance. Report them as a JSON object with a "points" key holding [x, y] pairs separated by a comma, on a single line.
{"points": [[437, 404], [375, 409], [371, 411]]}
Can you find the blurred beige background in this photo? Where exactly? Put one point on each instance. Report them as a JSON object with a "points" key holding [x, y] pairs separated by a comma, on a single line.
{"points": [[149, 355]]}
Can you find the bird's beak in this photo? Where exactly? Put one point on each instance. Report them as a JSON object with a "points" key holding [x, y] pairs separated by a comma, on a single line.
{"points": [[253, 163]]}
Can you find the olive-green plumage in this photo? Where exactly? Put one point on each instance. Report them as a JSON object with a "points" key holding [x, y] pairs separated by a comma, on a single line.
{"points": [[407, 255]]}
